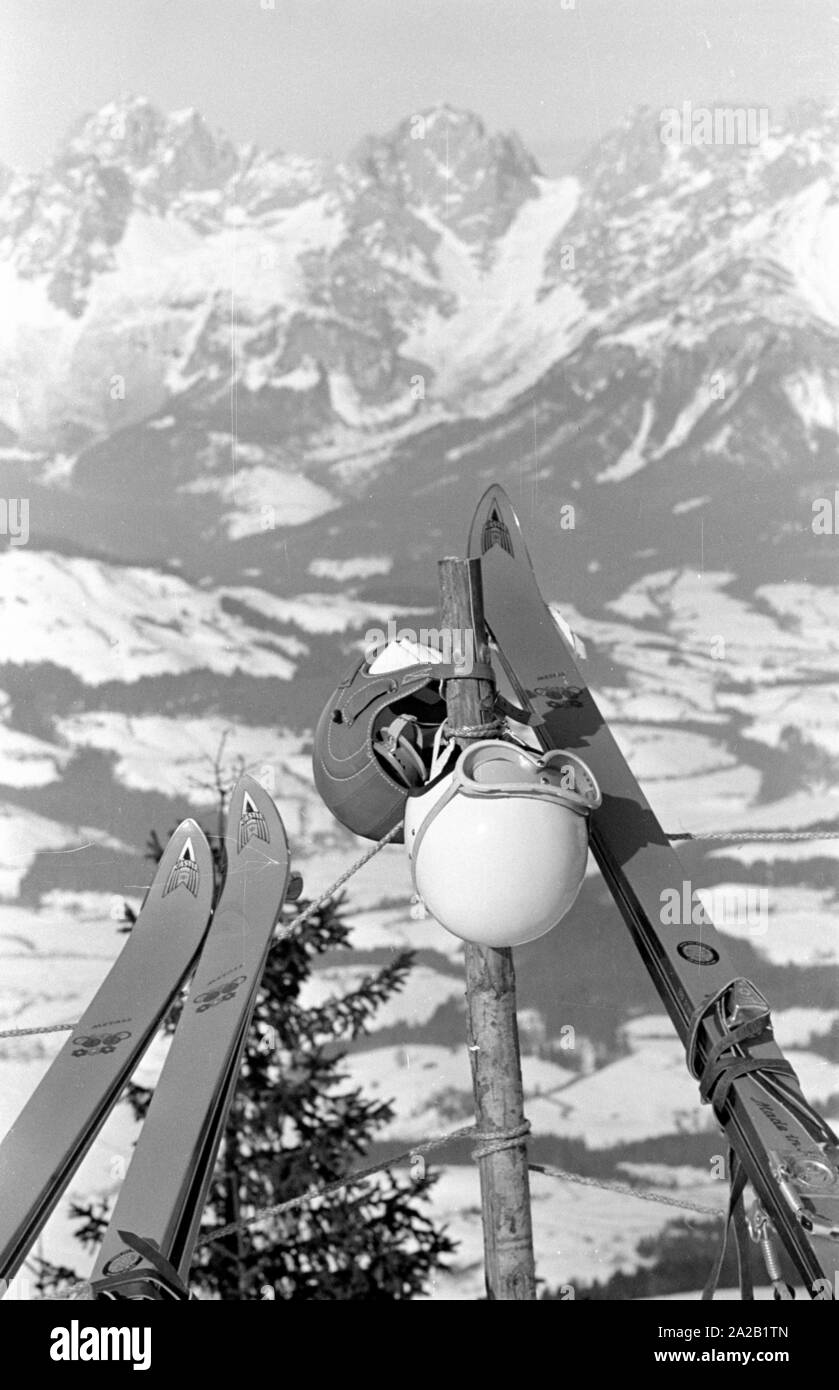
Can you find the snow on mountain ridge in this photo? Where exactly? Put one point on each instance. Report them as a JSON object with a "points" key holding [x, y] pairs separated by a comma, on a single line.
{"points": [[177, 151], [433, 275]]}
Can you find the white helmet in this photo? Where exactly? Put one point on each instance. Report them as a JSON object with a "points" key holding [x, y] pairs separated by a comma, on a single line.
{"points": [[498, 848]]}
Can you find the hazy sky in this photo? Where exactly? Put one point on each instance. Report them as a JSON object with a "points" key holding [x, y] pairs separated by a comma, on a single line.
{"points": [[315, 75]]}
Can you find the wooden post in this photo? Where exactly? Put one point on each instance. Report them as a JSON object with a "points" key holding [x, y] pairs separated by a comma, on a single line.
{"points": [[490, 987]]}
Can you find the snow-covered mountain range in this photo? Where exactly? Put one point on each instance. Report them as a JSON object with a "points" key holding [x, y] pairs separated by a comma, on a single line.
{"points": [[251, 398]]}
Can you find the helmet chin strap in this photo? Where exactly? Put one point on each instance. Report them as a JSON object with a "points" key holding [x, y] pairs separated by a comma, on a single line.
{"points": [[396, 748], [439, 754]]}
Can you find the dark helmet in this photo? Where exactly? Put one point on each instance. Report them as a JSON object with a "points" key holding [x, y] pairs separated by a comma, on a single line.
{"points": [[374, 742]]}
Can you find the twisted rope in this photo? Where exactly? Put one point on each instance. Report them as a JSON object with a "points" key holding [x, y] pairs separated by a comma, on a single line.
{"points": [[28, 1032], [495, 1141], [492, 1141], [314, 908], [755, 835], [493, 728], [625, 1189], [360, 1176]]}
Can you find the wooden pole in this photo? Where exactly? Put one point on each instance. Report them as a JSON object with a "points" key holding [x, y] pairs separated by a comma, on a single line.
{"points": [[490, 987]]}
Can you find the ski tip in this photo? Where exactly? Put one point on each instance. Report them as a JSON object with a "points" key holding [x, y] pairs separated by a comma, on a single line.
{"points": [[253, 819], [187, 863], [495, 492], [188, 839], [190, 827], [495, 523]]}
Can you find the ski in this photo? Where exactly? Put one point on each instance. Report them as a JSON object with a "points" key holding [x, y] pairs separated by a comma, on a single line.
{"points": [[160, 1204], [57, 1126], [784, 1148]]}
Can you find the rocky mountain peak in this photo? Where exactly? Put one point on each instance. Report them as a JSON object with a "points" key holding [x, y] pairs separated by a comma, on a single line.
{"points": [[171, 153], [443, 161]]}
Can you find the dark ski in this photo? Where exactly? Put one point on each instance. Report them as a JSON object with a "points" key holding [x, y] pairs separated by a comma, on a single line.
{"points": [[787, 1151], [57, 1126], [163, 1195]]}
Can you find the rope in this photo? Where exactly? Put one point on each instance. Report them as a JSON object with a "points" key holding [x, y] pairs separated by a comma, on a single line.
{"points": [[495, 1141], [755, 835], [314, 908], [492, 729], [492, 1141], [361, 1175], [623, 1188], [28, 1032]]}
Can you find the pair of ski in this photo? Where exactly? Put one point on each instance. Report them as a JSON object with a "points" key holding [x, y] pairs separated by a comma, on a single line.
{"points": [[777, 1141], [150, 1239]]}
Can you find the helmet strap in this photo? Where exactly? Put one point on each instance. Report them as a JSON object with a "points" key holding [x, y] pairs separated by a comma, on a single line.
{"points": [[396, 749], [440, 755]]}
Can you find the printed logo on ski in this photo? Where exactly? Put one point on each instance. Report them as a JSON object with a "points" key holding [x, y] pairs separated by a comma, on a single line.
{"points": [[88, 1045], [495, 532], [219, 995], [251, 823], [185, 872], [545, 698]]}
